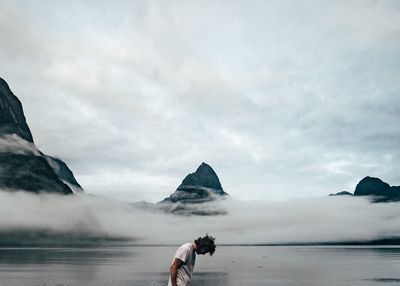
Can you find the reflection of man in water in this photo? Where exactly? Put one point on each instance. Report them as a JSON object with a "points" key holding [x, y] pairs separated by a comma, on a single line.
{"points": [[182, 266]]}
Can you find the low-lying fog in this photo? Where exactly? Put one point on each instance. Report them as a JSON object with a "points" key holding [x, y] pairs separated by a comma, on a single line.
{"points": [[324, 219]]}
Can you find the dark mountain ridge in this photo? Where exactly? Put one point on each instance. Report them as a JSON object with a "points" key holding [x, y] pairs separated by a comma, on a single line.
{"points": [[375, 188], [192, 195], [22, 165], [200, 186], [12, 118]]}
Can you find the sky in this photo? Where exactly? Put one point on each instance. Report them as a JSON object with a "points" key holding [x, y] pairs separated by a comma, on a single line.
{"points": [[284, 99]]}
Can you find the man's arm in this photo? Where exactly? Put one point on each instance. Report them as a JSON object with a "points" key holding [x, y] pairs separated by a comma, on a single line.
{"points": [[174, 269]]}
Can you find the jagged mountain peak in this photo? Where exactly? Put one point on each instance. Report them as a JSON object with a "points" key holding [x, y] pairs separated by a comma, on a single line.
{"points": [[204, 177], [200, 186], [23, 166], [12, 118], [3, 83]]}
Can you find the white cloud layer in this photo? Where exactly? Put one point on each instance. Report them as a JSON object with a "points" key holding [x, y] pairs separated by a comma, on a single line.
{"points": [[307, 220], [283, 99], [16, 145]]}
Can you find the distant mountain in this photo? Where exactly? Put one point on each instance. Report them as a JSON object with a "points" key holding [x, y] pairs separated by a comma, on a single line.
{"points": [[343, 193], [375, 187], [378, 190], [198, 187], [22, 165], [202, 186]]}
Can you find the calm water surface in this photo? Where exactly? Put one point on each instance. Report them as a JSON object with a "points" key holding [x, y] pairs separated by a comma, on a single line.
{"points": [[230, 265]]}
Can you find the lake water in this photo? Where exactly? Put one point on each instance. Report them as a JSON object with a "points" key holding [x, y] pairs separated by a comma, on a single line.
{"points": [[230, 265]]}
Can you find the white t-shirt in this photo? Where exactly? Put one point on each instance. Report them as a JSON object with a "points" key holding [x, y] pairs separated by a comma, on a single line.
{"points": [[187, 254]]}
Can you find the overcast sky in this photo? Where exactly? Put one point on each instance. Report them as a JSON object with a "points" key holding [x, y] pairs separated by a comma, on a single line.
{"points": [[283, 99]]}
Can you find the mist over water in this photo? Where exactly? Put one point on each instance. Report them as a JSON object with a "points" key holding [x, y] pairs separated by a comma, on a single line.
{"points": [[229, 266], [325, 219]]}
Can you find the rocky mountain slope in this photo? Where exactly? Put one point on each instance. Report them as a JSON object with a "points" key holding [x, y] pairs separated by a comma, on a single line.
{"points": [[200, 186], [22, 165], [196, 190]]}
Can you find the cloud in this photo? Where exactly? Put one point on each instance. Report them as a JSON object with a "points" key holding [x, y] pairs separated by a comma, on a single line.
{"points": [[307, 220], [16, 145], [272, 95]]}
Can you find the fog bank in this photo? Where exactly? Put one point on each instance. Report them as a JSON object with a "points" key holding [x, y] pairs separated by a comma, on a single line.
{"points": [[327, 219]]}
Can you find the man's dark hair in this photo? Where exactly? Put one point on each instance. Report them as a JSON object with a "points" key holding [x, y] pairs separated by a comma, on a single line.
{"points": [[206, 243]]}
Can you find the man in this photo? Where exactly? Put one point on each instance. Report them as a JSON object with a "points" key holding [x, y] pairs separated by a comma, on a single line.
{"points": [[183, 264]]}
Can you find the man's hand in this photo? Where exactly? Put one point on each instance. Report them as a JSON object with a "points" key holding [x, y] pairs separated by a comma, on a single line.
{"points": [[173, 270]]}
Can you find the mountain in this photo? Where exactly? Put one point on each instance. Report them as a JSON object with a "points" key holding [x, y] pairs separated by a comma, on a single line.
{"points": [[343, 193], [378, 190], [200, 186], [383, 192], [198, 194], [23, 166], [12, 119]]}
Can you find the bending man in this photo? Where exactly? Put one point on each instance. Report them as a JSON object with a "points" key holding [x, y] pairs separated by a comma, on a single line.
{"points": [[183, 263]]}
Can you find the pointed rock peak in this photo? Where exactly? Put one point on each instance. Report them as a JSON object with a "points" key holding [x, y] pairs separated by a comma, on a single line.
{"points": [[203, 177], [12, 118], [3, 83], [198, 187], [205, 169], [204, 165]]}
